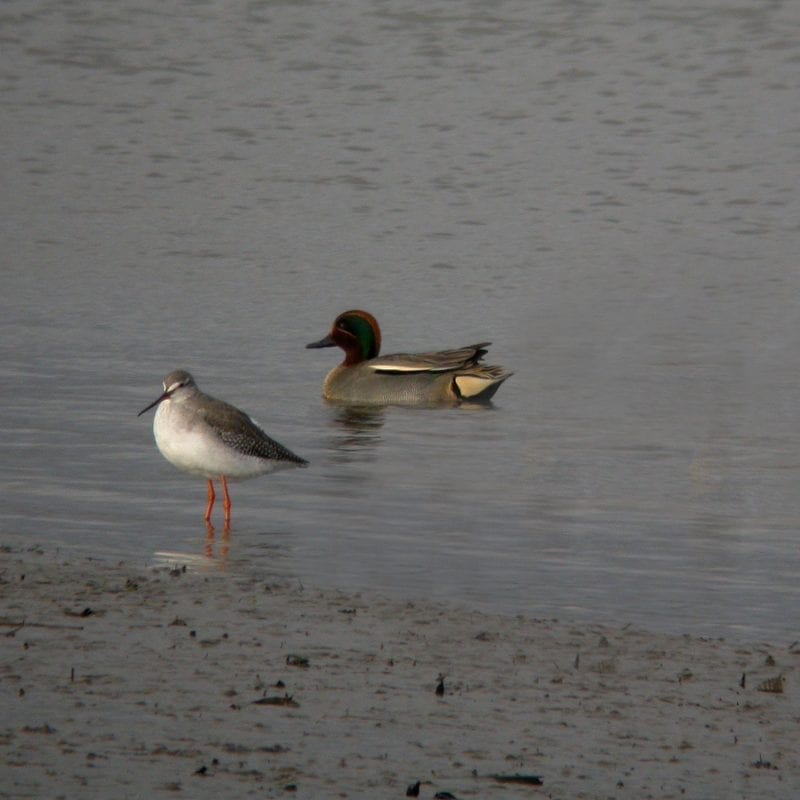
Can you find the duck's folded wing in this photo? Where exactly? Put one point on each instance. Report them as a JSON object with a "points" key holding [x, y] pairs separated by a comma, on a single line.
{"points": [[440, 361]]}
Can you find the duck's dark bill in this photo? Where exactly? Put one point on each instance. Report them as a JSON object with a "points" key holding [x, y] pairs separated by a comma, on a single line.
{"points": [[326, 342]]}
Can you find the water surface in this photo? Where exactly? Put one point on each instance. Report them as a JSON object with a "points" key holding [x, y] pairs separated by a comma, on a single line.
{"points": [[607, 191]]}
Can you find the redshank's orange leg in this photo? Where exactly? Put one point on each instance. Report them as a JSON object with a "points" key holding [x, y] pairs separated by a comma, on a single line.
{"points": [[211, 497], [226, 501]]}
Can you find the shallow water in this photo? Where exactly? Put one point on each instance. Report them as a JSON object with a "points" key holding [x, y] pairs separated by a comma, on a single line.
{"points": [[607, 191]]}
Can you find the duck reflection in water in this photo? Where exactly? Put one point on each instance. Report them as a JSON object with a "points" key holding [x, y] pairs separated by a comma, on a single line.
{"points": [[358, 432]]}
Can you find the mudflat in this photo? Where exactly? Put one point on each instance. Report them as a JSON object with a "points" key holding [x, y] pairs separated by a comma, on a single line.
{"points": [[128, 682]]}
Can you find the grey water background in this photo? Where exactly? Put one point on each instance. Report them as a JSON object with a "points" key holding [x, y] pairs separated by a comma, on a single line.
{"points": [[606, 190]]}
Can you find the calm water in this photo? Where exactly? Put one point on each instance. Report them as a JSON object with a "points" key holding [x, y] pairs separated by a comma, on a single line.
{"points": [[606, 190]]}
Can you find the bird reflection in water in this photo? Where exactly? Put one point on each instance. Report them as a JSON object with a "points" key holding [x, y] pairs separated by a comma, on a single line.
{"points": [[224, 545], [357, 429], [178, 561]]}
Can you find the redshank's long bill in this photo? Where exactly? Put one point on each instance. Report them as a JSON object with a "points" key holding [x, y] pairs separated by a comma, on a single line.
{"points": [[205, 436]]}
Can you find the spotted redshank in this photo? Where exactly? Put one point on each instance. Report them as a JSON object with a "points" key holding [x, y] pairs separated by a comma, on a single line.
{"points": [[205, 436]]}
